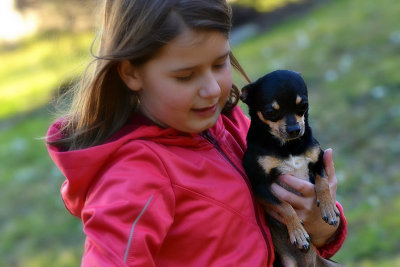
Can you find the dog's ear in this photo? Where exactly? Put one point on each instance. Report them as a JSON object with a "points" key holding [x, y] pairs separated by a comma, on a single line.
{"points": [[246, 93]]}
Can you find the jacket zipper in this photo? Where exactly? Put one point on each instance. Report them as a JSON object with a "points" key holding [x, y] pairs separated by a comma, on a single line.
{"points": [[214, 142]]}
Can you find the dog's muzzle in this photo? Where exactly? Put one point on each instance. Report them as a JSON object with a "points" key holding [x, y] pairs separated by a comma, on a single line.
{"points": [[293, 131]]}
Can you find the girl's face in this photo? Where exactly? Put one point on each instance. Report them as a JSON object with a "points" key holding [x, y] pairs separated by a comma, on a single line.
{"points": [[187, 84]]}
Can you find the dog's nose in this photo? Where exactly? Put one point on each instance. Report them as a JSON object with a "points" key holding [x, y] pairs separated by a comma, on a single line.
{"points": [[293, 130]]}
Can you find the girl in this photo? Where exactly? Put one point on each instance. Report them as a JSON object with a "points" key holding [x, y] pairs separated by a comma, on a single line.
{"points": [[152, 147]]}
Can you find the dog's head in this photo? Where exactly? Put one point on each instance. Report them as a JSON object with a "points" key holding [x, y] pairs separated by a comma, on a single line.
{"points": [[279, 99]]}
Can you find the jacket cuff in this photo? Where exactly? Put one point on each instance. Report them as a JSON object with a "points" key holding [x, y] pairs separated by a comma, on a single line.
{"points": [[336, 242]]}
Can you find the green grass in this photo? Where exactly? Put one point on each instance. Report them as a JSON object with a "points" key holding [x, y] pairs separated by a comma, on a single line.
{"points": [[35, 227], [348, 53]]}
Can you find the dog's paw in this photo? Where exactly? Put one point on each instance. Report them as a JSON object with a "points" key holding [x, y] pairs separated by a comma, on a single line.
{"points": [[300, 238], [329, 212]]}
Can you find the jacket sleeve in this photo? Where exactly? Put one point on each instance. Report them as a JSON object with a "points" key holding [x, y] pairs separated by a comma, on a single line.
{"points": [[336, 242], [129, 210]]}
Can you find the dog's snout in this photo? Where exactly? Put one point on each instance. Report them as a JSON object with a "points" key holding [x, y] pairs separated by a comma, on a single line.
{"points": [[293, 130]]}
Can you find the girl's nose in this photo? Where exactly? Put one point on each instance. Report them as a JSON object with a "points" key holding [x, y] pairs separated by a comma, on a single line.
{"points": [[210, 87]]}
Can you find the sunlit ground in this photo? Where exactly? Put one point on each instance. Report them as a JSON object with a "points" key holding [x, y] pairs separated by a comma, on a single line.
{"points": [[265, 5], [29, 74], [12, 24]]}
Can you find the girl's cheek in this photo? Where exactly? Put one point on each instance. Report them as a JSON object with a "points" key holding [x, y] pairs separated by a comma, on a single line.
{"points": [[228, 81], [229, 75]]}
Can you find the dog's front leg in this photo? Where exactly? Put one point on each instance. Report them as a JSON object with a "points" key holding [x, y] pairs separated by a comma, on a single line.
{"points": [[297, 234], [329, 211]]}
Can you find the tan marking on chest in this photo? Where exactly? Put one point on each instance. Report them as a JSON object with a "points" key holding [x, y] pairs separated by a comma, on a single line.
{"points": [[268, 163], [296, 166], [293, 165], [313, 153]]}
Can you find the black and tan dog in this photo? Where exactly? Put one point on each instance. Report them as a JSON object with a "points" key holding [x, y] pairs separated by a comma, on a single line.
{"points": [[280, 142]]}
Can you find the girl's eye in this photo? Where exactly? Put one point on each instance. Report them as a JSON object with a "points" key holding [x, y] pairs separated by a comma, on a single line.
{"points": [[219, 66], [184, 78]]}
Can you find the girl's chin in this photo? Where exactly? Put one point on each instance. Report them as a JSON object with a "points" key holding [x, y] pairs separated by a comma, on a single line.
{"points": [[209, 123]]}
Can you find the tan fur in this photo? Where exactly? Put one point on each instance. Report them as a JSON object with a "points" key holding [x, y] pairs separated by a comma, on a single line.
{"points": [[327, 205], [298, 100], [294, 165], [275, 126], [300, 120], [313, 153], [296, 231], [268, 163], [275, 105], [278, 128]]}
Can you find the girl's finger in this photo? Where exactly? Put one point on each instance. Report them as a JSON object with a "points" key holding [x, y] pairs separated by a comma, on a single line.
{"points": [[329, 165], [293, 199], [304, 187], [330, 171]]}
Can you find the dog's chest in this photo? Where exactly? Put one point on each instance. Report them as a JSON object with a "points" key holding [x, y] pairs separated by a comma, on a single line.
{"points": [[293, 165], [296, 166]]}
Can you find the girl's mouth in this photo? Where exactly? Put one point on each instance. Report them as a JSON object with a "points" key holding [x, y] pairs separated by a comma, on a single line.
{"points": [[206, 112]]}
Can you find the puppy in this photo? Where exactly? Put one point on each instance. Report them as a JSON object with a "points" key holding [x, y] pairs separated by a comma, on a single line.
{"points": [[279, 142]]}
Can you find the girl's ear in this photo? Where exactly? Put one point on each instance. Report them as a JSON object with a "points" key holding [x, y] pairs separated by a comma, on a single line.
{"points": [[130, 75]]}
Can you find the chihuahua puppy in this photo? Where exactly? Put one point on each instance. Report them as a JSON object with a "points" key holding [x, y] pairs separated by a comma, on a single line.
{"points": [[280, 142]]}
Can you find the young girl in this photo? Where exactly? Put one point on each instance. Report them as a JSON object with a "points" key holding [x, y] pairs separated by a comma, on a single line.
{"points": [[152, 147]]}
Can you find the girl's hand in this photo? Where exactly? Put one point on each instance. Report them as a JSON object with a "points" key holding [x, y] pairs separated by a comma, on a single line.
{"points": [[305, 203]]}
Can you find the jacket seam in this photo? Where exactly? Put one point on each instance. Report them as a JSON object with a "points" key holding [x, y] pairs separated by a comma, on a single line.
{"points": [[216, 202], [228, 209], [128, 258], [165, 168], [144, 143], [130, 252], [132, 231]]}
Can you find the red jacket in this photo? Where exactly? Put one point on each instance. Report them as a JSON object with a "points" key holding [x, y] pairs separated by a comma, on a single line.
{"points": [[158, 197]]}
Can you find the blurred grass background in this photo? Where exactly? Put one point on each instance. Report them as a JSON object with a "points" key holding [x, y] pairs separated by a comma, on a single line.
{"points": [[347, 51]]}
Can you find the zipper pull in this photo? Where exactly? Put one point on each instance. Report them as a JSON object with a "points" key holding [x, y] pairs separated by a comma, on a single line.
{"points": [[209, 137]]}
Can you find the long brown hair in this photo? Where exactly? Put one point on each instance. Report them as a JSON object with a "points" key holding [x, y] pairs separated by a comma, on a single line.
{"points": [[133, 30]]}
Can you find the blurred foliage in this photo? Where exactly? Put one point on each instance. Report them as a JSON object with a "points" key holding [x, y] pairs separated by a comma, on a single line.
{"points": [[31, 70], [263, 5], [347, 51]]}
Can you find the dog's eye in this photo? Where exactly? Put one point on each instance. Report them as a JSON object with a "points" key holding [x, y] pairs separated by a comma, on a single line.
{"points": [[302, 108], [269, 114]]}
